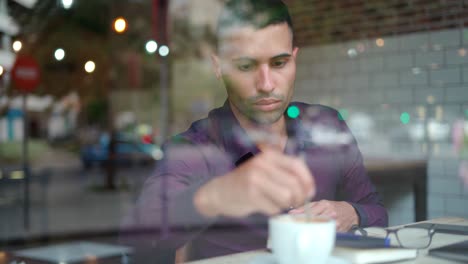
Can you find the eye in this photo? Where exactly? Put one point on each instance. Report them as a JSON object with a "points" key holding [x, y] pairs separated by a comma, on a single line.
{"points": [[279, 63], [246, 67]]}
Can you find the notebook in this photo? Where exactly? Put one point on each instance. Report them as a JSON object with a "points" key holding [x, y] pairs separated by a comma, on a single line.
{"points": [[374, 255], [457, 252]]}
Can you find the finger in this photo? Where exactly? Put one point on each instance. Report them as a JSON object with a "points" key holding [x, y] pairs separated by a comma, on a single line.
{"points": [[278, 193], [296, 169], [330, 213], [282, 184], [339, 228], [267, 196], [262, 202], [318, 208], [299, 210]]}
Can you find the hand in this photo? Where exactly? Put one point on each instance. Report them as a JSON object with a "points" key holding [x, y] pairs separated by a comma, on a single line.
{"points": [[343, 213], [267, 183]]}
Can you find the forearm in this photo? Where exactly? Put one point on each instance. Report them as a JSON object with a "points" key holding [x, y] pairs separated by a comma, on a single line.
{"points": [[173, 215]]}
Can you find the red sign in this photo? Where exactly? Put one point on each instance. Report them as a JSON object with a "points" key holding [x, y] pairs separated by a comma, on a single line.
{"points": [[25, 73]]}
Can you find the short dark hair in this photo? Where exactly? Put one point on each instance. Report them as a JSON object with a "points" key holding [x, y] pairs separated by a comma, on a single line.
{"points": [[256, 13]]}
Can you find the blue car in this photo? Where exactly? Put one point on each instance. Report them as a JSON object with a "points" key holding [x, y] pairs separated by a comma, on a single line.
{"points": [[128, 150]]}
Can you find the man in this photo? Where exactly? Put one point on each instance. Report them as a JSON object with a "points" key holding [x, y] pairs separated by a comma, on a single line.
{"points": [[248, 159]]}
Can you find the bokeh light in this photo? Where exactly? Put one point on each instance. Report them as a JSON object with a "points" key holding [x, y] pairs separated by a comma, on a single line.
{"points": [[462, 52], [1, 70], [17, 45], [120, 25], [343, 114], [59, 54], [416, 70], [157, 154], [164, 51], [430, 99], [17, 175], [405, 118], [67, 4], [352, 53], [143, 129], [380, 42], [89, 66], [151, 46], [293, 112]]}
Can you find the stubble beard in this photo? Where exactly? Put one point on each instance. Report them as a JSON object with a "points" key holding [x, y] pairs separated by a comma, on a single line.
{"points": [[259, 117]]}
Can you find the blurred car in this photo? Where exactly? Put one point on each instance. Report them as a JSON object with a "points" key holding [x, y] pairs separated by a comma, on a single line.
{"points": [[129, 149]]}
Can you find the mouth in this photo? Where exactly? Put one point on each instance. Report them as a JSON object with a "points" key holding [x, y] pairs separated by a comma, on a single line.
{"points": [[267, 104]]}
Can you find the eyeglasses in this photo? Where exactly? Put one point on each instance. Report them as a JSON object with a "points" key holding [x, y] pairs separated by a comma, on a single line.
{"points": [[407, 237]]}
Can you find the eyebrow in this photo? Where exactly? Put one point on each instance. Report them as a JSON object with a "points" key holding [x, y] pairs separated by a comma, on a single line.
{"points": [[279, 56], [282, 55]]}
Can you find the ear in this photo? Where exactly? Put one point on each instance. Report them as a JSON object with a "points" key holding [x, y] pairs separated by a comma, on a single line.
{"points": [[295, 51], [216, 66]]}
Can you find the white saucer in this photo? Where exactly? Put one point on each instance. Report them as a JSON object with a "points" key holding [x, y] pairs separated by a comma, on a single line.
{"points": [[269, 259]]}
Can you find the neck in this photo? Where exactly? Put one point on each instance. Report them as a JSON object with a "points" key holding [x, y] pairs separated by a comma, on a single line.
{"points": [[272, 135]]}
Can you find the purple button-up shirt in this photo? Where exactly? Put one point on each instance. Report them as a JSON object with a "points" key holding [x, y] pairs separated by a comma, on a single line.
{"points": [[213, 146]]}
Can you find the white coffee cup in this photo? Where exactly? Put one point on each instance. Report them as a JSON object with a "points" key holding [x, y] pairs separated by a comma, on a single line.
{"points": [[293, 239]]}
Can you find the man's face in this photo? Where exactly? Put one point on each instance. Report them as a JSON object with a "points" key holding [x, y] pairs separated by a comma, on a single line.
{"points": [[258, 67]]}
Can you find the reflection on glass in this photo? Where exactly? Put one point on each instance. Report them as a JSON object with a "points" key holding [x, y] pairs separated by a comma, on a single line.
{"points": [[380, 42], [417, 131], [439, 113], [405, 118], [462, 52], [430, 99], [421, 110], [17, 175], [352, 53], [416, 70], [164, 51], [343, 114]]}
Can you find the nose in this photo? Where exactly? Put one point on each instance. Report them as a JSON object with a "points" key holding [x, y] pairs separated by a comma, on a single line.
{"points": [[265, 82]]}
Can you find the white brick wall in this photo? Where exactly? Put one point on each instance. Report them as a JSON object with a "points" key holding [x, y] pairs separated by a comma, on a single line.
{"points": [[452, 56], [425, 74], [384, 79], [426, 59], [414, 77], [399, 61], [421, 96], [445, 76], [445, 38]]}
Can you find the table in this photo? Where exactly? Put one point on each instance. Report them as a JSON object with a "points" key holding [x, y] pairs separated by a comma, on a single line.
{"points": [[391, 171], [438, 240], [9, 258]]}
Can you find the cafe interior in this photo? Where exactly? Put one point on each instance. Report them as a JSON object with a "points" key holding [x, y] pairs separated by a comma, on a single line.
{"points": [[91, 90]]}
